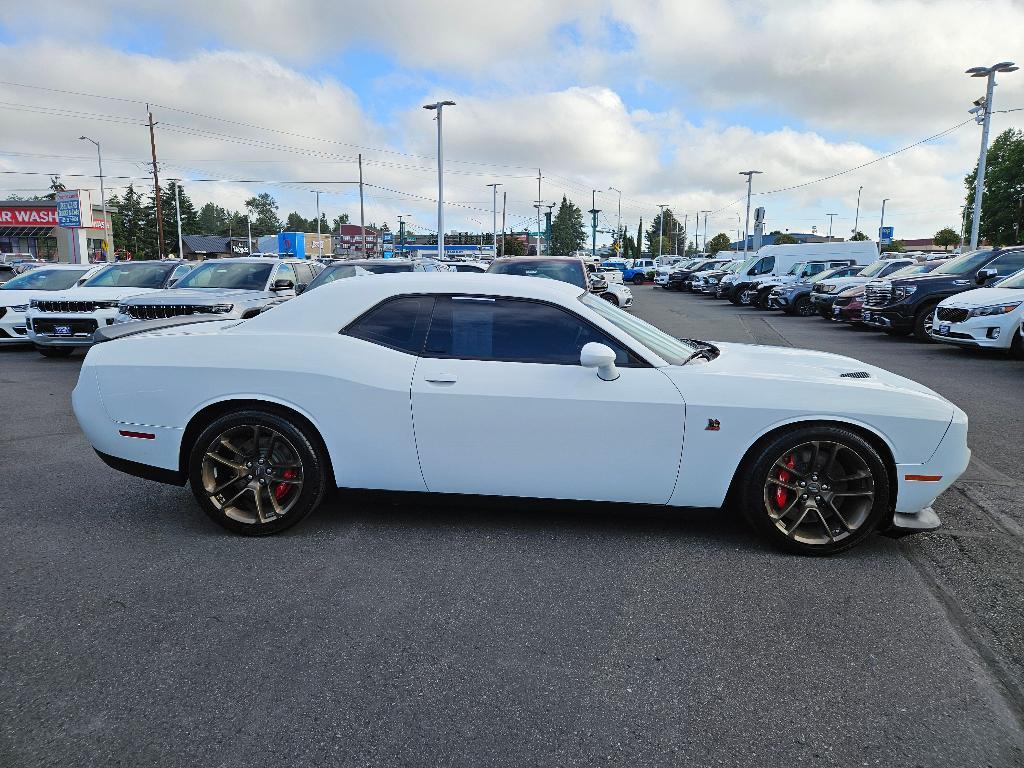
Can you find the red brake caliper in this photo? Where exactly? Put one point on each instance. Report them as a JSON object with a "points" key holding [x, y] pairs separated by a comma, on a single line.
{"points": [[281, 489], [781, 494]]}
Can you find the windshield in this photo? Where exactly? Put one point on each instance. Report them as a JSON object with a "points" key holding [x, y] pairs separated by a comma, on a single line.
{"points": [[138, 274], [336, 272], [797, 268], [671, 350], [1016, 280], [826, 274], [565, 270], [42, 279], [874, 268], [913, 269], [247, 275], [961, 265]]}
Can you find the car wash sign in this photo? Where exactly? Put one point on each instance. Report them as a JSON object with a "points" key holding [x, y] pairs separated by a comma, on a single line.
{"points": [[74, 209]]}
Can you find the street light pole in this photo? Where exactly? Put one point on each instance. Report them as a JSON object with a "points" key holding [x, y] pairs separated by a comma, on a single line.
{"points": [[746, 229], [618, 219], [177, 212], [661, 226], [439, 108], [881, 225], [856, 217], [705, 230], [109, 242], [830, 217], [593, 224], [494, 217], [979, 182]]}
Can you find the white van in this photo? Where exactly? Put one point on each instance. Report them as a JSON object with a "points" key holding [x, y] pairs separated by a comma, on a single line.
{"points": [[776, 260]]}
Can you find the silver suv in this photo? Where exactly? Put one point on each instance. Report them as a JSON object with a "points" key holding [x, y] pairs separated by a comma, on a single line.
{"points": [[239, 287]]}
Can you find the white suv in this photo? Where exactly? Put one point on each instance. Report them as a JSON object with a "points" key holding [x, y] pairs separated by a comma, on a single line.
{"points": [[59, 323], [990, 318]]}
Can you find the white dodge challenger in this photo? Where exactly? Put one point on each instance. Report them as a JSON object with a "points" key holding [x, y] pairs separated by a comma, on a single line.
{"points": [[486, 385]]}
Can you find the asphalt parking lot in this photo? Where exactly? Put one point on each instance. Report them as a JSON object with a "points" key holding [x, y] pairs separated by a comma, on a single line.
{"points": [[136, 632]]}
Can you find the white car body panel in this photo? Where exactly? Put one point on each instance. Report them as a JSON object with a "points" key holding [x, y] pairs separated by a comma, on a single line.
{"points": [[501, 428], [623, 295], [12, 322], [978, 330]]}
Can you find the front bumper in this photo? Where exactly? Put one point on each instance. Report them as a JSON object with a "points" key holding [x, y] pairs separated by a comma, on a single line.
{"points": [[822, 303], [71, 330], [993, 332], [12, 327], [918, 485], [886, 318]]}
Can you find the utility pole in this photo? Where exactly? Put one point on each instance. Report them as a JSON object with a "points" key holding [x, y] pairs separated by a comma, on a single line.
{"points": [[362, 210], [986, 119], [661, 226], [156, 186], [538, 204], [746, 229], [248, 226], [830, 217], [108, 241], [318, 216], [856, 218], [705, 230], [439, 108], [686, 234], [881, 224], [504, 204], [547, 224], [494, 216], [177, 212], [593, 224]]}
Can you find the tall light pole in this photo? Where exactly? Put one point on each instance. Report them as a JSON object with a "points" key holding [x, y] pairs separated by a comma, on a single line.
{"points": [[746, 229], [661, 225], [248, 226], [705, 230], [494, 217], [986, 119], [856, 217], [830, 217], [618, 219], [593, 224], [439, 106], [177, 213], [401, 229], [881, 224], [108, 241]]}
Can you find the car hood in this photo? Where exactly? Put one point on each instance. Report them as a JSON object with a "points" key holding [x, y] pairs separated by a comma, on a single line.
{"points": [[204, 296], [14, 297], [842, 283], [96, 294], [981, 297], [803, 365]]}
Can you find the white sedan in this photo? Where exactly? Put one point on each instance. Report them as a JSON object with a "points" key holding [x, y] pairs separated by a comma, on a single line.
{"points": [[985, 318], [486, 385]]}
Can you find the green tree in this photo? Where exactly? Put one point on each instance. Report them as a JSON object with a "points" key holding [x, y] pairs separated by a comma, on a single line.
{"points": [[858, 235], [946, 237], [130, 225], [568, 233], [896, 246], [1001, 210], [296, 222], [719, 242], [784, 238], [341, 218], [169, 212], [56, 185], [263, 214], [513, 246], [213, 220], [638, 243], [669, 233]]}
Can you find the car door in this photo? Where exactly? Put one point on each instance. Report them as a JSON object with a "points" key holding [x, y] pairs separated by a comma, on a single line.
{"points": [[502, 406]]}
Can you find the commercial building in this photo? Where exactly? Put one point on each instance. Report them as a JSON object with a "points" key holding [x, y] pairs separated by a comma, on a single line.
{"points": [[348, 241], [30, 227], [213, 246]]}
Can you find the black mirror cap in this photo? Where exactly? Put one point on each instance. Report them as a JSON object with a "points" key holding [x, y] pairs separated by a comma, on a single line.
{"points": [[283, 285], [300, 288], [986, 274]]}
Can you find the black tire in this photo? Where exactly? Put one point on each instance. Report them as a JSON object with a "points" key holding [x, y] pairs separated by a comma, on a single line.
{"points": [[1017, 347], [860, 515], [638, 279], [305, 447], [803, 307], [923, 324], [54, 351], [761, 302], [610, 298]]}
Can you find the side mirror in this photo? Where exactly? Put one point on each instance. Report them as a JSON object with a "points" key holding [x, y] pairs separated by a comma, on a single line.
{"points": [[752, 270], [986, 274], [300, 288], [283, 285], [173, 283], [602, 357]]}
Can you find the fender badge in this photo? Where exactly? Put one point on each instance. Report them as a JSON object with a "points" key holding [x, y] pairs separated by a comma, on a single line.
{"points": [[713, 425]]}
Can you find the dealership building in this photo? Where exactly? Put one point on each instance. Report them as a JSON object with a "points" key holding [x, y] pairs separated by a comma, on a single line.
{"points": [[30, 227]]}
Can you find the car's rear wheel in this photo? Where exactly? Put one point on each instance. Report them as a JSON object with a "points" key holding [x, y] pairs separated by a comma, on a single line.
{"points": [[54, 351], [256, 472], [923, 324], [815, 490], [803, 307]]}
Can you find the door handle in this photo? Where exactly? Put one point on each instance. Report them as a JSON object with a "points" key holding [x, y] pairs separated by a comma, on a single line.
{"points": [[441, 378]]}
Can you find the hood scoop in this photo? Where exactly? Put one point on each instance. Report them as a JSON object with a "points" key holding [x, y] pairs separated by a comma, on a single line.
{"points": [[855, 375]]}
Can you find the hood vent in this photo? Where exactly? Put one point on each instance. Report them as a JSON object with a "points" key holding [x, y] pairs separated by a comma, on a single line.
{"points": [[855, 375]]}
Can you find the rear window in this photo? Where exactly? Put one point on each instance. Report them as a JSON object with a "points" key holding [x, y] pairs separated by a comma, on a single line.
{"points": [[566, 271]]}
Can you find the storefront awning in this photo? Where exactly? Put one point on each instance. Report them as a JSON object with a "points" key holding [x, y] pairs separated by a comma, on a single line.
{"points": [[26, 232]]}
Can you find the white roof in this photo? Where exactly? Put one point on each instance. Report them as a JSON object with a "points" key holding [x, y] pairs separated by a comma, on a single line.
{"points": [[339, 302]]}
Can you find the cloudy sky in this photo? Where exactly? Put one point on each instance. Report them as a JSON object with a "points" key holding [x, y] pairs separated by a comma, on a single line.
{"points": [[664, 100]]}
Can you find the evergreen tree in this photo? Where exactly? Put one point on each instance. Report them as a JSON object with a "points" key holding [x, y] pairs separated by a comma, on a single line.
{"points": [[213, 220], [169, 212], [513, 246], [669, 232], [638, 243], [129, 224], [263, 215], [56, 185], [567, 231], [297, 223]]}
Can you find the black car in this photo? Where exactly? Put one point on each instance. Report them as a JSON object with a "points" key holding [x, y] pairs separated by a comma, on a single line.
{"points": [[681, 279], [905, 305]]}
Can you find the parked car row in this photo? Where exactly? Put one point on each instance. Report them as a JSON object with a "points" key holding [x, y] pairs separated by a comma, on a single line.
{"points": [[973, 300]]}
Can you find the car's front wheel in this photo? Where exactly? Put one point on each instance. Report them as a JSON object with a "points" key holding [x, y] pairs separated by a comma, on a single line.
{"points": [[815, 490], [54, 351], [257, 472], [923, 324], [610, 297], [1017, 346], [803, 307]]}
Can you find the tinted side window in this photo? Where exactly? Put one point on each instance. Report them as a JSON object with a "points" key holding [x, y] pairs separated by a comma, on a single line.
{"points": [[180, 271], [767, 264], [397, 323], [513, 331], [285, 272], [304, 274], [1007, 264]]}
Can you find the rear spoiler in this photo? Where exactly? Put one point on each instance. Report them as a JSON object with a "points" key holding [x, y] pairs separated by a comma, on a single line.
{"points": [[121, 330]]}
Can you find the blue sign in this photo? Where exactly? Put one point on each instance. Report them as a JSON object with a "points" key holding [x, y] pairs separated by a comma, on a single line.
{"points": [[885, 234], [292, 244], [72, 208], [388, 237]]}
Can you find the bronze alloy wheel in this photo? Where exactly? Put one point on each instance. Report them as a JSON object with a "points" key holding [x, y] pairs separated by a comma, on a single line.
{"points": [[819, 493], [252, 474]]}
